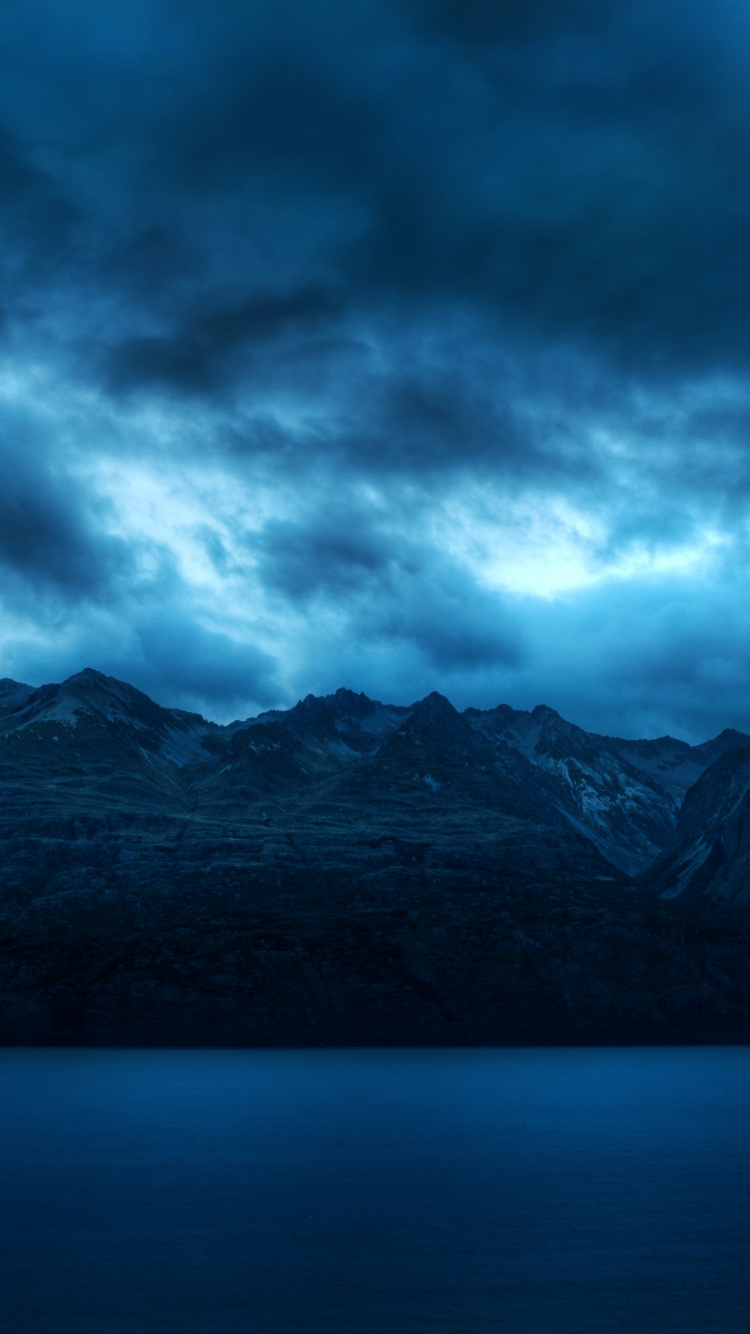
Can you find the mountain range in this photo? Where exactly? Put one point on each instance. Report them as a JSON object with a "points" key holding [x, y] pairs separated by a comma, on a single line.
{"points": [[351, 871]]}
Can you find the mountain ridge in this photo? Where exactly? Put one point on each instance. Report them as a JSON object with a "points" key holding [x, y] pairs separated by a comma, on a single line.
{"points": [[347, 871], [624, 795]]}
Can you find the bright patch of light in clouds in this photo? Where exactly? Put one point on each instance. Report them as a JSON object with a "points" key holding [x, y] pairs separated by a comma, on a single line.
{"points": [[542, 547]]}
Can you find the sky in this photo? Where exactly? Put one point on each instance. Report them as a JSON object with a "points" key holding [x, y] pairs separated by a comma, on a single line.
{"points": [[400, 345]]}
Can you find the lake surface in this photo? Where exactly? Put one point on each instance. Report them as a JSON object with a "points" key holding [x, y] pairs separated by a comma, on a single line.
{"points": [[470, 1192]]}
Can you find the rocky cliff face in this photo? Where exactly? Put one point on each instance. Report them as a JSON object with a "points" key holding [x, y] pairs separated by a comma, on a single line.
{"points": [[706, 864], [624, 809], [344, 871]]}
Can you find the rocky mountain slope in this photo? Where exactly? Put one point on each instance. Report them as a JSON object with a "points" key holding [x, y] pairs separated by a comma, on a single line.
{"points": [[706, 864], [345, 871], [626, 809], [97, 740]]}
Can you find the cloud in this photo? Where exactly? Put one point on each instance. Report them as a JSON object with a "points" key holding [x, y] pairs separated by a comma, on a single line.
{"points": [[187, 662], [391, 588], [483, 23], [48, 536], [576, 186], [330, 554], [456, 626], [405, 340], [203, 354]]}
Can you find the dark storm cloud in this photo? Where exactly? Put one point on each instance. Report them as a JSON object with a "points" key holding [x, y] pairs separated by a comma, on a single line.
{"points": [[48, 535], [575, 171], [332, 554], [37, 227], [596, 193], [456, 626], [17, 179], [408, 410], [484, 23], [202, 355], [190, 662], [390, 587]]}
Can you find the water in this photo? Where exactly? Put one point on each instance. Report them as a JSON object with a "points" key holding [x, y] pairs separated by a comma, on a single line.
{"points": [[470, 1192]]}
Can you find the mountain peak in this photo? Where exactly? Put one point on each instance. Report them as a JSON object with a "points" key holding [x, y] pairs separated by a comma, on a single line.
{"points": [[544, 711], [13, 694], [435, 704], [91, 679]]}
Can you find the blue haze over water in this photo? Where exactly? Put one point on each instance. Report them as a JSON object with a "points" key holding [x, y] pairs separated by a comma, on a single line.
{"points": [[470, 1192]]}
